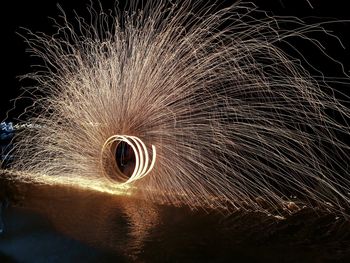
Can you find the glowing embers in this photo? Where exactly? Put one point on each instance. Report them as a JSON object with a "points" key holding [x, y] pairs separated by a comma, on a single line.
{"points": [[125, 159]]}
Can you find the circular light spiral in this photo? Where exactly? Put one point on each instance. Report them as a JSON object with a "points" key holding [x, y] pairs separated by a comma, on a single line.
{"points": [[143, 163]]}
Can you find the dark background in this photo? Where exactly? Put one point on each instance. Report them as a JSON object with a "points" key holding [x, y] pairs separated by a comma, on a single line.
{"points": [[34, 15], [70, 224]]}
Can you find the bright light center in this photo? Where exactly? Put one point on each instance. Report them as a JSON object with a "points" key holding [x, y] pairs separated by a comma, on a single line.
{"points": [[115, 154]]}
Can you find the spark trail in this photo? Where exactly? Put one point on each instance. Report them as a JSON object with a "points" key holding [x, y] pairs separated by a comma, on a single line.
{"points": [[224, 116]]}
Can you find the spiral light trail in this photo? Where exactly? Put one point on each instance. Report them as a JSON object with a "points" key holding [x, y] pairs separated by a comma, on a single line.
{"points": [[143, 165]]}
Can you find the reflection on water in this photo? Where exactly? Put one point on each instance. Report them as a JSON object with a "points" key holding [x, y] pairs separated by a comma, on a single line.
{"points": [[128, 229], [111, 222]]}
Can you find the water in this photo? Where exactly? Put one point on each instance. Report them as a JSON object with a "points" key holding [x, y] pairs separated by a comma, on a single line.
{"points": [[59, 224]]}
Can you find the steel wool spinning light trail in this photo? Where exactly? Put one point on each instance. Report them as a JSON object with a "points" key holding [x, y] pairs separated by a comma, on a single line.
{"points": [[189, 104], [142, 163]]}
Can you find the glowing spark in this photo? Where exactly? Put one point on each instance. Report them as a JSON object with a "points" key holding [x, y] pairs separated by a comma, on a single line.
{"points": [[79, 182], [233, 121]]}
